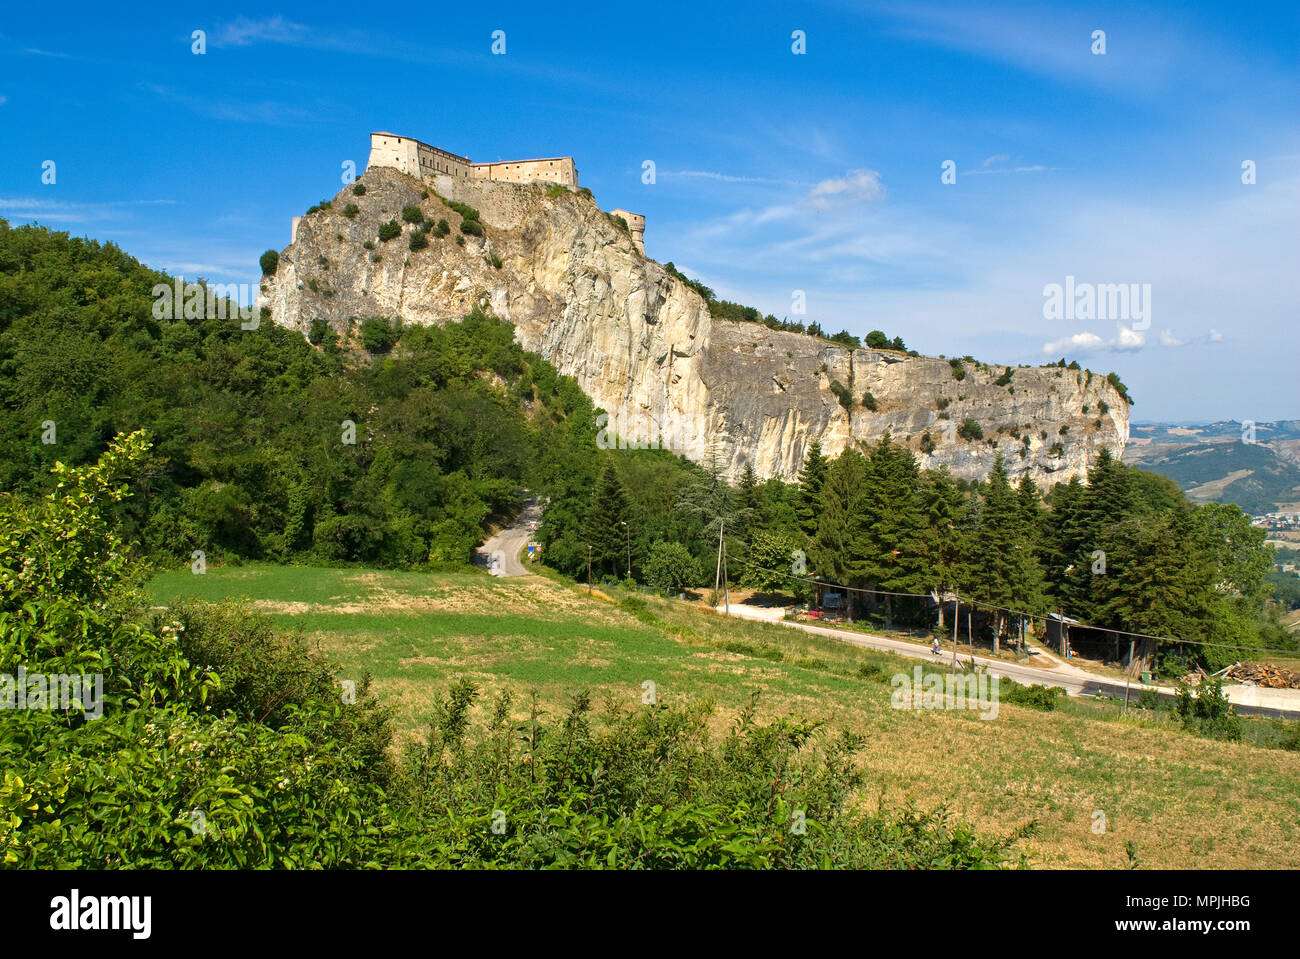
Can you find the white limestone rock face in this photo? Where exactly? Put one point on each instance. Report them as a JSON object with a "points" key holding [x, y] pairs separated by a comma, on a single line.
{"points": [[643, 345]]}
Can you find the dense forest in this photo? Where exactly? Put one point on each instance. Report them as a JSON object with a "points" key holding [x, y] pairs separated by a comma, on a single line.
{"points": [[265, 445], [1126, 551]]}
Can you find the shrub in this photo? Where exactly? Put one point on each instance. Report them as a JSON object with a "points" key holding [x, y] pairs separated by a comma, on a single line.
{"points": [[1042, 698], [368, 245], [418, 241], [842, 391], [944, 402], [1065, 428], [389, 231], [376, 257], [1207, 710], [358, 189], [270, 262], [1005, 378], [495, 260], [958, 370], [1056, 450], [556, 189], [621, 222], [460, 239], [317, 332], [412, 214], [442, 229], [1114, 380], [970, 430], [1103, 407], [378, 334], [927, 443], [472, 227], [351, 210], [466, 211], [869, 402]]}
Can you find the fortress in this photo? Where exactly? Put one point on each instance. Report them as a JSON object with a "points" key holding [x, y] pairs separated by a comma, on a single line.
{"points": [[419, 159]]}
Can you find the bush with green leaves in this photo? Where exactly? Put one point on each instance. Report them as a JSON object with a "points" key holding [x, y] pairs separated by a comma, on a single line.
{"points": [[670, 565], [351, 210], [417, 240], [379, 334], [615, 787], [471, 227], [843, 393], [270, 262], [869, 402], [358, 189], [412, 213], [1205, 709], [970, 430], [958, 370], [389, 230]]}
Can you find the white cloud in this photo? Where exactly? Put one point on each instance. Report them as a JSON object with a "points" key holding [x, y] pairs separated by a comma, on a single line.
{"points": [[3, 100], [1078, 343], [997, 158], [1086, 342], [243, 32], [855, 185], [1167, 338], [1216, 336]]}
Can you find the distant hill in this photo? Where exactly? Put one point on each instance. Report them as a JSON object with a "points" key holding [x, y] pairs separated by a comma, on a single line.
{"points": [[1211, 463]]}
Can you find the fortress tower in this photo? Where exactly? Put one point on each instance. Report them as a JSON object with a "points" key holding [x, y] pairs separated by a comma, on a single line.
{"points": [[635, 225]]}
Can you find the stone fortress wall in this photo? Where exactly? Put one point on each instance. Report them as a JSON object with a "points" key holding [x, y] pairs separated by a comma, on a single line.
{"points": [[419, 159]]}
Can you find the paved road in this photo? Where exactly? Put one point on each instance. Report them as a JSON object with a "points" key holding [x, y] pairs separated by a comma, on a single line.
{"points": [[1073, 680], [500, 554]]}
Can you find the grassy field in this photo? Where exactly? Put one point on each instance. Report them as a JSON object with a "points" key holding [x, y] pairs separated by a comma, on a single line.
{"points": [[1184, 800]]}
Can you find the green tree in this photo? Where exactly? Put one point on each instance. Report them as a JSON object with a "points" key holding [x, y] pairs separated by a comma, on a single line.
{"points": [[604, 528]]}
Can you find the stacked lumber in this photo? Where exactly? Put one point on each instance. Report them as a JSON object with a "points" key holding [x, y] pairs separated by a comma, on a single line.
{"points": [[1262, 674]]}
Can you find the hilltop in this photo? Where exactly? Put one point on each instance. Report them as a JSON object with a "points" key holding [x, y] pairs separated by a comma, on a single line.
{"points": [[642, 343]]}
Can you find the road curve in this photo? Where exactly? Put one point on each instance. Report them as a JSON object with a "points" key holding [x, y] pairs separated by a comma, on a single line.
{"points": [[500, 554]]}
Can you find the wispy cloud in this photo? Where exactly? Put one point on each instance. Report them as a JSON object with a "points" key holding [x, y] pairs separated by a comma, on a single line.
{"points": [[243, 32], [64, 211], [727, 177], [263, 111]]}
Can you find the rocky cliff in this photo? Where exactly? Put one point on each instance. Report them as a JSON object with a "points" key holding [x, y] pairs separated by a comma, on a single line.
{"points": [[643, 345]]}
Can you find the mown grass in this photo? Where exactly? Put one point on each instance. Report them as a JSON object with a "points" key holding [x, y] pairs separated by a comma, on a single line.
{"points": [[1186, 801]]}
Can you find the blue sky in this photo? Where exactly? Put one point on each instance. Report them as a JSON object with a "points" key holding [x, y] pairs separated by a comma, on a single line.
{"points": [[775, 172]]}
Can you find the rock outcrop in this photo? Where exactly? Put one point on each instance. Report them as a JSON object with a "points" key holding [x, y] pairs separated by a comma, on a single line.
{"points": [[642, 344]]}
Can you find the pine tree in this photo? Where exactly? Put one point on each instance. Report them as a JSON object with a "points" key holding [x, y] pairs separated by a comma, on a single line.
{"points": [[943, 538], [606, 513], [812, 476], [841, 523], [891, 548]]}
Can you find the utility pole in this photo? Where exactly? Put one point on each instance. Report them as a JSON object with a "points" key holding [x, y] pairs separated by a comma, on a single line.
{"points": [[588, 570], [956, 611], [629, 548], [717, 577], [726, 587], [1128, 673]]}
